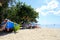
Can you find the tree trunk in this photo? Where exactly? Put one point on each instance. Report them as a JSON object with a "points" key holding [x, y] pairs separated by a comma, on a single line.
{"points": [[1, 15], [0, 19]]}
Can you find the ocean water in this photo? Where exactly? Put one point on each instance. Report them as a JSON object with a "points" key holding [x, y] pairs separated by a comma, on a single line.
{"points": [[50, 26]]}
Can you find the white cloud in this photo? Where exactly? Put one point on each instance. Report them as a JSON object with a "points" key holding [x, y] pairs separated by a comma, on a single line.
{"points": [[53, 4], [57, 12]]}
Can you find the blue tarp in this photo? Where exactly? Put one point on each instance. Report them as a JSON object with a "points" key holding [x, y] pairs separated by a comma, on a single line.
{"points": [[9, 24]]}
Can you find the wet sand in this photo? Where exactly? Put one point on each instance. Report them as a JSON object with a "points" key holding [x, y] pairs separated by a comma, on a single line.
{"points": [[33, 34]]}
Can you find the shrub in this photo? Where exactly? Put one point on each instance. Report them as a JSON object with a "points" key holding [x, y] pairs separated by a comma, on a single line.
{"points": [[16, 27]]}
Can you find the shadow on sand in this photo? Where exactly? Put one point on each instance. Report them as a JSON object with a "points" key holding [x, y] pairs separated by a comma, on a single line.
{"points": [[4, 33]]}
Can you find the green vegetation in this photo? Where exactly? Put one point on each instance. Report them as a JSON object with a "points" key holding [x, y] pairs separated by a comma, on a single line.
{"points": [[16, 26], [17, 11]]}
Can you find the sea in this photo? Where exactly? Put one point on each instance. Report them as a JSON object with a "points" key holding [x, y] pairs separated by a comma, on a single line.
{"points": [[50, 26]]}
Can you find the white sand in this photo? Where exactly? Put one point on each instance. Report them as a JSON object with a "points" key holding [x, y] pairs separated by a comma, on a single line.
{"points": [[34, 34]]}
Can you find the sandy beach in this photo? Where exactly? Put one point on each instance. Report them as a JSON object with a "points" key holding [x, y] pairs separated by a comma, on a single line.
{"points": [[33, 34]]}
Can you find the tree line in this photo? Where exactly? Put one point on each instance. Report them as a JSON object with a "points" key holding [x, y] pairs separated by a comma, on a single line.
{"points": [[17, 11]]}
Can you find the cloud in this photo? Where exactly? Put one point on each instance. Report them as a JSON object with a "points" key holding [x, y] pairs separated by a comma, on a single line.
{"points": [[52, 5], [57, 13], [49, 8]]}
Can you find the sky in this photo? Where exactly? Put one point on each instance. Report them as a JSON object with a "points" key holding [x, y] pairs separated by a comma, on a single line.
{"points": [[49, 10]]}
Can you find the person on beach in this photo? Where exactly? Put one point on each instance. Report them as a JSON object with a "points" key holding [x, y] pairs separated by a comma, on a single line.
{"points": [[9, 26], [6, 25], [3, 25]]}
